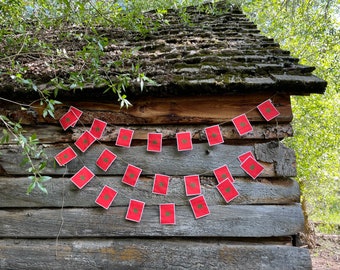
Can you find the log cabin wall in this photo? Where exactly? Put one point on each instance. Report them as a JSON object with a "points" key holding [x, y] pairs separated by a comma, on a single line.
{"points": [[66, 229]]}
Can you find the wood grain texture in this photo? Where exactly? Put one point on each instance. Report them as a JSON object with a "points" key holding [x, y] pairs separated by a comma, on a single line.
{"points": [[223, 221], [201, 160], [149, 254], [55, 134], [177, 110], [63, 192]]}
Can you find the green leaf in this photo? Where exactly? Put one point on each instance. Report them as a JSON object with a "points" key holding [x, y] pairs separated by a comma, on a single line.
{"points": [[31, 187], [42, 188]]}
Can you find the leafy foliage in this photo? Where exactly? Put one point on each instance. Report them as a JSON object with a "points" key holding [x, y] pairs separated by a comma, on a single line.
{"points": [[310, 30]]}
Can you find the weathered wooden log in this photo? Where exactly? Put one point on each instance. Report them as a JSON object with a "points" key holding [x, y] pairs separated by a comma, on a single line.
{"points": [[55, 134], [177, 110], [223, 221], [149, 254], [62, 192], [201, 160]]}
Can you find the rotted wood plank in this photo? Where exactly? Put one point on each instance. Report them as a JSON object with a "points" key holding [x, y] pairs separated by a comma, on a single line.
{"points": [[62, 192], [223, 221], [180, 110], [55, 134], [201, 160], [149, 254]]}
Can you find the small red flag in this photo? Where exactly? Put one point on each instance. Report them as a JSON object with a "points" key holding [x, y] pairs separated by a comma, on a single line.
{"points": [[227, 190], [105, 159], [97, 128], [167, 213], [68, 119], [131, 175], [252, 167], [268, 110], [242, 124], [124, 137], [192, 185], [106, 197], [65, 156], [76, 111], [154, 142], [82, 177], [214, 135], [244, 156], [85, 141], [222, 173], [161, 184], [184, 142], [199, 206], [135, 210]]}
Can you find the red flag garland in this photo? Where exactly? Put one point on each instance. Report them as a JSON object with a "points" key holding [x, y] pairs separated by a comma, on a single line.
{"points": [[135, 210]]}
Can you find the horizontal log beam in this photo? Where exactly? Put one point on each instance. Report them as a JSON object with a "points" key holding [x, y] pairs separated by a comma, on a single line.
{"points": [[223, 221], [62, 192], [148, 254], [201, 160], [55, 134], [180, 110]]}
